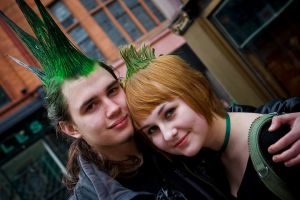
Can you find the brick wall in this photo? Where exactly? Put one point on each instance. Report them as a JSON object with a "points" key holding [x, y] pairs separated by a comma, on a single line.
{"points": [[16, 81]]}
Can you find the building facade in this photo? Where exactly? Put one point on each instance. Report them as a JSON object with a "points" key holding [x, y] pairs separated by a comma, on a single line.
{"points": [[250, 47]]}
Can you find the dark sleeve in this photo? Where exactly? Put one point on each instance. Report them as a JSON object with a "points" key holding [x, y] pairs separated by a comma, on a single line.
{"points": [[72, 197], [281, 106], [241, 108], [277, 105]]}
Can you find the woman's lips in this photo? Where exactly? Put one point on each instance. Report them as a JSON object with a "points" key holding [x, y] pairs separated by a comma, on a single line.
{"points": [[182, 141]]}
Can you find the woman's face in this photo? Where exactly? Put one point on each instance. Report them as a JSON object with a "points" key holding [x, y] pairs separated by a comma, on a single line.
{"points": [[175, 128]]}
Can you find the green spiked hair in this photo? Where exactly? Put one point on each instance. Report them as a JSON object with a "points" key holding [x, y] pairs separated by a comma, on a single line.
{"points": [[59, 58], [136, 60]]}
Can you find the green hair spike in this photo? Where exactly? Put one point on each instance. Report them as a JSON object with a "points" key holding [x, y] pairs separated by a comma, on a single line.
{"points": [[35, 70], [136, 60], [59, 58]]}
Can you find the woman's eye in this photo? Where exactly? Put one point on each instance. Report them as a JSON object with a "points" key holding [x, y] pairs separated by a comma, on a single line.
{"points": [[169, 113], [152, 130]]}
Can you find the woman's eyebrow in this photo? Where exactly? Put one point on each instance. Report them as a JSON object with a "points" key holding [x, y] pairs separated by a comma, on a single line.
{"points": [[161, 109]]}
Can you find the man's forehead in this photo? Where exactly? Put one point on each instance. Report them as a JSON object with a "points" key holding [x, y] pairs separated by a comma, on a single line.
{"points": [[87, 86]]}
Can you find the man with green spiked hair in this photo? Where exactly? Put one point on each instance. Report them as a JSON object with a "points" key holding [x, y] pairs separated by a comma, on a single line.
{"points": [[85, 101]]}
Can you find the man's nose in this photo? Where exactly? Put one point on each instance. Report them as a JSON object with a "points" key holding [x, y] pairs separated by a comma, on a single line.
{"points": [[169, 133], [112, 108]]}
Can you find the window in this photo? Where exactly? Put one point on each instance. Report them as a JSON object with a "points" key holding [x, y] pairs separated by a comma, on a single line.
{"points": [[4, 98], [154, 10], [35, 173], [85, 43], [89, 4], [266, 35], [122, 21], [110, 29], [127, 23], [64, 16], [140, 13]]}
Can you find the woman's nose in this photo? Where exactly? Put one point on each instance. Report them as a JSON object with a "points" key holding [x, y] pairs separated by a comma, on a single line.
{"points": [[170, 133]]}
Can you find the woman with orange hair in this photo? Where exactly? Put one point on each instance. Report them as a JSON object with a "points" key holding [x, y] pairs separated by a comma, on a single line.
{"points": [[175, 109]]}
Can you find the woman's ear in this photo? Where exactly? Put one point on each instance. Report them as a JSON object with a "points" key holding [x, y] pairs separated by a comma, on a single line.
{"points": [[69, 129]]}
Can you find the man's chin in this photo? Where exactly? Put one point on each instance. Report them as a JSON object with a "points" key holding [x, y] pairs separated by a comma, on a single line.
{"points": [[128, 138]]}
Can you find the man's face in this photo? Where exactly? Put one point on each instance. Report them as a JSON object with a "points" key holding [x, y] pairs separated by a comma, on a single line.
{"points": [[98, 109]]}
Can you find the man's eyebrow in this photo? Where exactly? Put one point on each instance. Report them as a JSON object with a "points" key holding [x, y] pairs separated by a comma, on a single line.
{"points": [[113, 83], [87, 102]]}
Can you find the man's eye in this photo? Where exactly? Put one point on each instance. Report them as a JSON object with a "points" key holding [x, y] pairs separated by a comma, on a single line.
{"points": [[152, 130], [91, 107], [169, 113], [114, 90]]}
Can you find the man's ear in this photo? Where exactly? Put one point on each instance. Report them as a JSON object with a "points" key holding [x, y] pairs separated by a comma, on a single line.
{"points": [[69, 129]]}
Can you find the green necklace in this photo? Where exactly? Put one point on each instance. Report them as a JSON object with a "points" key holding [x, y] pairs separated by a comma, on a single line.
{"points": [[227, 134]]}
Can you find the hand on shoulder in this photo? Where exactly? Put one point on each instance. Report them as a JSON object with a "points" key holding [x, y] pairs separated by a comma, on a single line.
{"points": [[291, 141]]}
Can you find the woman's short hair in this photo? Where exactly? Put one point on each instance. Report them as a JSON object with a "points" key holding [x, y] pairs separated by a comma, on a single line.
{"points": [[168, 77]]}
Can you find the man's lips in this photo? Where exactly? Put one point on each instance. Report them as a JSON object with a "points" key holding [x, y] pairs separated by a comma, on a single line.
{"points": [[181, 141], [119, 123]]}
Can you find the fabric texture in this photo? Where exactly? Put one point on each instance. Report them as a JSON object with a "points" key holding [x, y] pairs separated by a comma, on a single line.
{"points": [[277, 105], [157, 179], [96, 185]]}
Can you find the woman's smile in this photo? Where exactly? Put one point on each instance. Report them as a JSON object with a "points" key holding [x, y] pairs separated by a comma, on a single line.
{"points": [[182, 141]]}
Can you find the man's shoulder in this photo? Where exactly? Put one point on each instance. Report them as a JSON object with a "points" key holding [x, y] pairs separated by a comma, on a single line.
{"points": [[96, 184]]}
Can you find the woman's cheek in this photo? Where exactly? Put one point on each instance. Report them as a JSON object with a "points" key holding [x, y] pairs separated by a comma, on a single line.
{"points": [[158, 142]]}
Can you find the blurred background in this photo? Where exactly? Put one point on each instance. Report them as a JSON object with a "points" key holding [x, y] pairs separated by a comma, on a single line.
{"points": [[249, 51]]}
